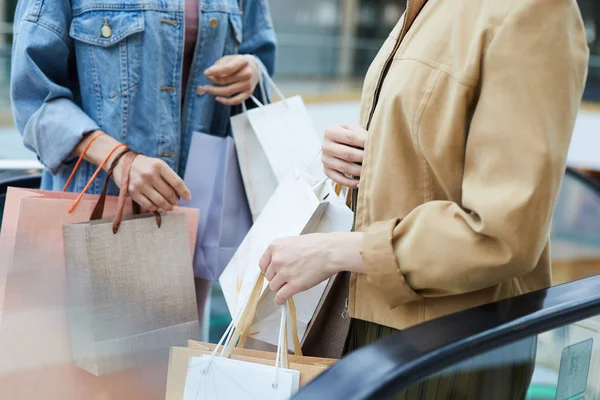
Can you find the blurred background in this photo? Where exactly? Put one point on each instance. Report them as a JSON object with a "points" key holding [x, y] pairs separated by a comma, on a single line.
{"points": [[325, 48]]}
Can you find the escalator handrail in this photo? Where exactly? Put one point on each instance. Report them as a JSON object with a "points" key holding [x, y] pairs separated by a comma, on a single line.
{"points": [[586, 180], [27, 179], [384, 368]]}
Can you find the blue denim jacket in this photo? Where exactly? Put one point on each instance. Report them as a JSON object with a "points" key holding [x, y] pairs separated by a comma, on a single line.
{"points": [[71, 77]]}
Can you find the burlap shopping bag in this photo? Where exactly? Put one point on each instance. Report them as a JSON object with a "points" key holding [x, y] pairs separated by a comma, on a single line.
{"points": [[131, 287]]}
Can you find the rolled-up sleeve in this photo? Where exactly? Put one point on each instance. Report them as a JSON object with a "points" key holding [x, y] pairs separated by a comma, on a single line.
{"points": [[44, 109], [533, 74]]}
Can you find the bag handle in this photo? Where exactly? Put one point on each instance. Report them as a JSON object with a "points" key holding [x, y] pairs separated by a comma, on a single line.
{"points": [[264, 75], [238, 331], [233, 332], [128, 157]]}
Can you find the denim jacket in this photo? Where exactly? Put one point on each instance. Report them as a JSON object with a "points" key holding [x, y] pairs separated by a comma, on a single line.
{"points": [[116, 65]]}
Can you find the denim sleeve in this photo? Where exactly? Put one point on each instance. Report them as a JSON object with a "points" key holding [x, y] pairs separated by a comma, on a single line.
{"points": [[42, 95], [259, 36]]}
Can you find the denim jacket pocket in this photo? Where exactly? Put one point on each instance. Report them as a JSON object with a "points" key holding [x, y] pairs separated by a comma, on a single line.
{"points": [[108, 48]]}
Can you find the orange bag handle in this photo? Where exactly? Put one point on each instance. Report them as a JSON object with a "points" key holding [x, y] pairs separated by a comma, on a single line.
{"points": [[128, 156], [100, 167], [80, 159]]}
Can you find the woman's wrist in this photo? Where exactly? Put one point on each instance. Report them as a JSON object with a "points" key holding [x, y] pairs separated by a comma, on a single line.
{"points": [[345, 252], [100, 147]]}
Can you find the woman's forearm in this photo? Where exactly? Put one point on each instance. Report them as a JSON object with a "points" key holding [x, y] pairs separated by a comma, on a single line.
{"points": [[98, 149]]}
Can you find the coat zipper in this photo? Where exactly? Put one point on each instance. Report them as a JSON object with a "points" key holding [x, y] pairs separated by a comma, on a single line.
{"points": [[386, 67]]}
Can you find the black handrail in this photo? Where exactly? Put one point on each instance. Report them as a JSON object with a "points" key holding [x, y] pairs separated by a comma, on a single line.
{"points": [[588, 181], [394, 363], [23, 179]]}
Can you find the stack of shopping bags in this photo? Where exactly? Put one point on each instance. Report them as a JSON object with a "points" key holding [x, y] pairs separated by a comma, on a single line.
{"points": [[203, 371], [278, 168], [93, 294], [92, 297]]}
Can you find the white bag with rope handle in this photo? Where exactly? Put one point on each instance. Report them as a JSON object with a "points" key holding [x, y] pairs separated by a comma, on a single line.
{"points": [[216, 376], [271, 140]]}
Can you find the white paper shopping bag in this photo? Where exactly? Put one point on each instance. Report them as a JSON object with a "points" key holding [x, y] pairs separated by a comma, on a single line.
{"points": [[293, 206], [233, 379], [336, 218], [297, 207], [271, 141], [216, 376]]}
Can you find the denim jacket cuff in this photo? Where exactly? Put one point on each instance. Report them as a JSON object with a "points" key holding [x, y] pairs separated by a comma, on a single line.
{"points": [[55, 130]]}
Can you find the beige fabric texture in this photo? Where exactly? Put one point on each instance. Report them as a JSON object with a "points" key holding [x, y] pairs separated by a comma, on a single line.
{"points": [[465, 155]]}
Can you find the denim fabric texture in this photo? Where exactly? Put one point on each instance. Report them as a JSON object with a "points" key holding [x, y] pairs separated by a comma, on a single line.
{"points": [[116, 65]]}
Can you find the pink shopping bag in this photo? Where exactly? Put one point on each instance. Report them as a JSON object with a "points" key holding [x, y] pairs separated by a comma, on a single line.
{"points": [[35, 359]]}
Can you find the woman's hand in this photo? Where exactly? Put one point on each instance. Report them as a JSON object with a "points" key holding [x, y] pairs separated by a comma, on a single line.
{"points": [[153, 184], [296, 264], [236, 77], [343, 149]]}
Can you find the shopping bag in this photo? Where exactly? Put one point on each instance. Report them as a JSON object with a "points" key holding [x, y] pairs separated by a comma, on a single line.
{"points": [[34, 329], [213, 177], [271, 140], [195, 372], [131, 287], [299, 206]]}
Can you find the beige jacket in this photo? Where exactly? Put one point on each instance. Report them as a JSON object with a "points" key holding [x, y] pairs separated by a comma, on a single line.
{"points": [[470, 105]]}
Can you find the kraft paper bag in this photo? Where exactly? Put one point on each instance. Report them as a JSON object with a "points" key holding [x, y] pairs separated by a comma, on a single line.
{"points": [[205, 371], [132, 293], [271, 141], [213, 177], [299, 206], [34, 297]]}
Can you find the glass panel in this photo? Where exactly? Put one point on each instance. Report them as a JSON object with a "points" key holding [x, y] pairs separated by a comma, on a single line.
{"points": [[562, 364], [575, 234], [590, 10]]}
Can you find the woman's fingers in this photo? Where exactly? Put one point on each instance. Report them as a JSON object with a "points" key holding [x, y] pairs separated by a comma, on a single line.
{"points": [[341, 179], [276, 282], [341, 166], [160, 203], [142, 200], [245, 74], [350, 135], [233, 101], [342, 152], [284, 294], [173, 180], [165, 190], [229, 90], [226, 66]]}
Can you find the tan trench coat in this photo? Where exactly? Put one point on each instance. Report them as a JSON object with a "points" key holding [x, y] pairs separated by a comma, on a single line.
{"points": [[470, 105]]}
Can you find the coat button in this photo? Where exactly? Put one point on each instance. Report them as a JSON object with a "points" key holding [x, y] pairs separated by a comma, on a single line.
{"points": [[106, 31], [200, 91], [213, 23]]}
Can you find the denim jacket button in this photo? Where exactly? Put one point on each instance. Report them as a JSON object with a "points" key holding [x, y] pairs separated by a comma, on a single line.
{"points": [[200, 91], [106, 30], [213, 23]]}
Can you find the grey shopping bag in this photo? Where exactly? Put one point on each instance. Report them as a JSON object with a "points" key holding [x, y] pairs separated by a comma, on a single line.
{"points": [[131, 288], [213, 176]]}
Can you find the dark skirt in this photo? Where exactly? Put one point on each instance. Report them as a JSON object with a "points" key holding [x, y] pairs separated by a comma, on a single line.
{"points": [[502, 374]]}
